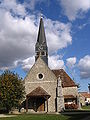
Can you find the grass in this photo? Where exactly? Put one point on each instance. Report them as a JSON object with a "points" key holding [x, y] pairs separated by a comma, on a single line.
{"points": [[45, 117], [86, 107], [37, 117]]}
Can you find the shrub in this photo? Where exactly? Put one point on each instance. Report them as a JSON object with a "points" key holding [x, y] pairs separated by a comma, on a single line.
{"points": [[11, 90]]}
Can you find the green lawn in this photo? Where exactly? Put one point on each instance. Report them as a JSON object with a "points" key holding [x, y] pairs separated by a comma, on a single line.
{"points": [[45, 117], [86, 107]]}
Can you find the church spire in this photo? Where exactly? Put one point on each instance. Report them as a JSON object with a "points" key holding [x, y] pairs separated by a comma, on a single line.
{"points": [[41, 48], [41, 34]]}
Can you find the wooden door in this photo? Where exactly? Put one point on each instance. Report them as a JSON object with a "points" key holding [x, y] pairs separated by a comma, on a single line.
{"points": [[41, 107], [41, 104]]}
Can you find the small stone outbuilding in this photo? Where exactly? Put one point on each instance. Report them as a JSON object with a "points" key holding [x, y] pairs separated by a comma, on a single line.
{"points": [[84, 98]]}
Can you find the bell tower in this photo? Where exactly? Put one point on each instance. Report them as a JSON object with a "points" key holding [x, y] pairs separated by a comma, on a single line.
{"points": [[41, 48]]}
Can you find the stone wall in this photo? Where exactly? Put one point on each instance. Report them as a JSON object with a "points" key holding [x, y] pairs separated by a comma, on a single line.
{"points": [[60, 97], [82, 100], [70, 91]]}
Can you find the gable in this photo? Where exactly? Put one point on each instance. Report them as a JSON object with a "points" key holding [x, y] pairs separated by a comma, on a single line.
{"points": [[40, 67]]}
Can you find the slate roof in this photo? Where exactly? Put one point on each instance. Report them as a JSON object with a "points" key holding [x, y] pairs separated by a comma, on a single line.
{"points": [[66, 80], [41, 34], [85, 94], [38, 92]]}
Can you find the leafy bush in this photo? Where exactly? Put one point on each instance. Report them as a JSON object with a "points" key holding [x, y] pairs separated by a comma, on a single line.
{"points": [[11, 90]]}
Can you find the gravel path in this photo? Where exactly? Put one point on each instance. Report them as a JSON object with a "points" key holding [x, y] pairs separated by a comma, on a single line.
{"points": [[3, 115]]}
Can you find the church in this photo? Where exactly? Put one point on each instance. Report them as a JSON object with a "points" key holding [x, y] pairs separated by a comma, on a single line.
{"points": [[48, 90]]}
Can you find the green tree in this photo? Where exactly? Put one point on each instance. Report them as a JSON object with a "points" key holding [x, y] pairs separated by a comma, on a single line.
{"points": [[11, 90]]}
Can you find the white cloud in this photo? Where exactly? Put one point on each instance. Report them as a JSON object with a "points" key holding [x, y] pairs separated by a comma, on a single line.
{"points": [[55, 62], [31, 4], [70, 62], [27, 63], [75, 8], [84, 66], [18, 36], [82, 26], [13, 6], [58, 35]]}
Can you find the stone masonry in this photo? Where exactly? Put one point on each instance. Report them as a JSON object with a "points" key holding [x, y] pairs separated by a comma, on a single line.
{"points": [[60, 97], [48, 83]]}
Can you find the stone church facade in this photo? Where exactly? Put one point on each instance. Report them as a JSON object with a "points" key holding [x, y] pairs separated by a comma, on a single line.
{"points": [[47, 90]]}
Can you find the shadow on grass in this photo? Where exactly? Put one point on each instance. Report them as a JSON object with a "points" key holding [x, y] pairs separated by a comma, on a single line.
{"points": [[77, 116]]}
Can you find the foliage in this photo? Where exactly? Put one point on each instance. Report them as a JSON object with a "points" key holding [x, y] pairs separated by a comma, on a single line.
{"points": [[11, 90]]}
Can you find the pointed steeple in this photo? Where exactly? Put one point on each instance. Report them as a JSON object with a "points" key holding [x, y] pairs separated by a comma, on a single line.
{"points": [[41, 34], [41, 48]]}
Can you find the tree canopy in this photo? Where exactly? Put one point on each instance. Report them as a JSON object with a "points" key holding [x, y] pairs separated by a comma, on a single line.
{"points": [[11, 90]]}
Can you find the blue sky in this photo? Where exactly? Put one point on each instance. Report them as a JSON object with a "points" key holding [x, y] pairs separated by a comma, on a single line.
{"points": [[67, 27]]}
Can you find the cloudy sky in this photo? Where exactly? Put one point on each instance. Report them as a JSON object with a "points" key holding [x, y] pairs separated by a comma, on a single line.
{"points": [[67, 28]]}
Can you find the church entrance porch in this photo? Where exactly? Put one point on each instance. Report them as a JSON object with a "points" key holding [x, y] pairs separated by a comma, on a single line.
{"points": [[37, 100], [36, 104]]}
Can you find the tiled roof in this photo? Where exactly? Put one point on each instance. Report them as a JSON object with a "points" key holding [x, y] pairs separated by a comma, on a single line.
{"points": [[85, 94], [69, 96], [38, 92], [66, 80]]}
